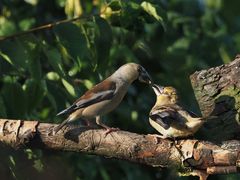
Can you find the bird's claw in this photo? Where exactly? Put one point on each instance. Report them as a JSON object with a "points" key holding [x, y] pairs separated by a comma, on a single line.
{"points": [[157, 136], [110, 129]]}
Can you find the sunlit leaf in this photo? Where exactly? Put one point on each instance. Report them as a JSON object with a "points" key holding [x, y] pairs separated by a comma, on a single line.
{"points": [[7, 27], [88, 84], [5, 57], [180, 44], [52, 76], [14, 53], [152, 10], [224, 54], [69, 87], [12, 160], [54, 58], [73, 8]]}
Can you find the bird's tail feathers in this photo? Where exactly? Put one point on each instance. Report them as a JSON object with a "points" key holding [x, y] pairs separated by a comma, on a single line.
{"points": [[65, 111], [209, 118], [57, 128]]}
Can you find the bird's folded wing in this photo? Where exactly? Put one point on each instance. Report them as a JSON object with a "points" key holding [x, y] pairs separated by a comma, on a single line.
{"points": [[102, 91], [164, 116], [95, 98], [191, 113]]}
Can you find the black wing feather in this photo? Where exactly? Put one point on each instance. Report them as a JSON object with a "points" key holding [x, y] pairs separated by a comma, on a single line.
{"points": [[82, 103], [164, 119]]}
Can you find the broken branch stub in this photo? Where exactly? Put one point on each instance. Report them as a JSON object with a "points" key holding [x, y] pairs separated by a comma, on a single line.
{"points": [[217, 91]]}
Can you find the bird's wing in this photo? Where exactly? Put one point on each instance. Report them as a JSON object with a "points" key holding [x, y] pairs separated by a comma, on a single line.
{"points": [[164, 116], [191, 113], [102, 91]]}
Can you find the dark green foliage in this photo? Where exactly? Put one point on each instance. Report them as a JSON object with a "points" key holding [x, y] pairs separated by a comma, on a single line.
{"points": [[42, 73]]}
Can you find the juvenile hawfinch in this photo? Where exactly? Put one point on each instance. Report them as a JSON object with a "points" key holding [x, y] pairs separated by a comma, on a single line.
{"points": [[105, 96], [170, 119]]}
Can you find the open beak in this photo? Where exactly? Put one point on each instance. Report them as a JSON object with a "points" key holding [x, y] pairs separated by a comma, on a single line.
{"points": [[157, 89], [145, 78]]}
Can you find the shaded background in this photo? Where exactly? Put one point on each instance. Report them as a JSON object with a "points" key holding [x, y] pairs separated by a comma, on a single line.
{"points": [[42, 73]]}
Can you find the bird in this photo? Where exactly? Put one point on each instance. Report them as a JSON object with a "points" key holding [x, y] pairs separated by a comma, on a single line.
{"points": [[105, 96], [169, 118]]}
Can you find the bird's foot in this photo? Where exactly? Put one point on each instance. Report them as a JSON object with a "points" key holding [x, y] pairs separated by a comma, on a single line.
{"points": [[110, 129], [157, 136]]}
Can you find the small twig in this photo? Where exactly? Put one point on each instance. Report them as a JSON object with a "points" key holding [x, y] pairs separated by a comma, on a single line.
{"points": [[50, 25], [43, 27]]}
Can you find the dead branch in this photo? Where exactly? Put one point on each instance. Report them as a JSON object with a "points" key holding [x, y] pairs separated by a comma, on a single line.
{"points": [[218, 93], [193, 157]]}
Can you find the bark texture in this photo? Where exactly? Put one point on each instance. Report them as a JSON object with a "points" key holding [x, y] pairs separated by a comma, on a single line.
{"points": [[217, 91], [192, 157]]}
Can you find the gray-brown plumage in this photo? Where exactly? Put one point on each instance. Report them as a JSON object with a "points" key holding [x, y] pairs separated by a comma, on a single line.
{"points": [[105, 96]]}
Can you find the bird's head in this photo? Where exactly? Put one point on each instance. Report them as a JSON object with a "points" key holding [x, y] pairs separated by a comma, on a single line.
{"points": [[133, 71], [165, 95]]}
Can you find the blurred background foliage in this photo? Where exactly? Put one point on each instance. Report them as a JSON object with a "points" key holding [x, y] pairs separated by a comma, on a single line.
{"points": [[43, 72]]}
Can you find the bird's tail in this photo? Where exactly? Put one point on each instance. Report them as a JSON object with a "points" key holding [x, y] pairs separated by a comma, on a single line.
{"points": [[57, 128], [209, 118], [65, 111]]}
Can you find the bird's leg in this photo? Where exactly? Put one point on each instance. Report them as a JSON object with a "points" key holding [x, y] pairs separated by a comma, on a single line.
{"points": [[108, 129]]}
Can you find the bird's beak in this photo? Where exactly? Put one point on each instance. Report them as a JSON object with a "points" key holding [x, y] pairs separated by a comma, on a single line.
{"points": [[145, 77], [158, 89]]}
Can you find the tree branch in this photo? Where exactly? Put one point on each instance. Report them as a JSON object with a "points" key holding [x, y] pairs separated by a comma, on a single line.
{"points": [[51, 25], [192, 156], [218, 93]]}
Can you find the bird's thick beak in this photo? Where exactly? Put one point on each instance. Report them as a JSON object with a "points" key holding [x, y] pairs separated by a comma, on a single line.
{"points": [[157, 89], [145, 78]]}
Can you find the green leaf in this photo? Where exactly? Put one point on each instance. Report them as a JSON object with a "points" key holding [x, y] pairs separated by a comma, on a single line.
{"points": [[75, 42], [52, 76], [152, 10], [7, 26], [54, 58], [69, 87], [14, 53], [224, 54], [12, 161], [38, 165], [5, 57], [180, 44], [33, 50], [88, 83]]}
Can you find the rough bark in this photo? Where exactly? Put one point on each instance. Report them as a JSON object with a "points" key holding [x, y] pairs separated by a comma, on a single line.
{"points": [[190, 156], [217, 91]]}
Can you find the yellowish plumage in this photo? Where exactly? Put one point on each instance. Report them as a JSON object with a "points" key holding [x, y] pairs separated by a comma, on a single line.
{"points": [[170, 119]]}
